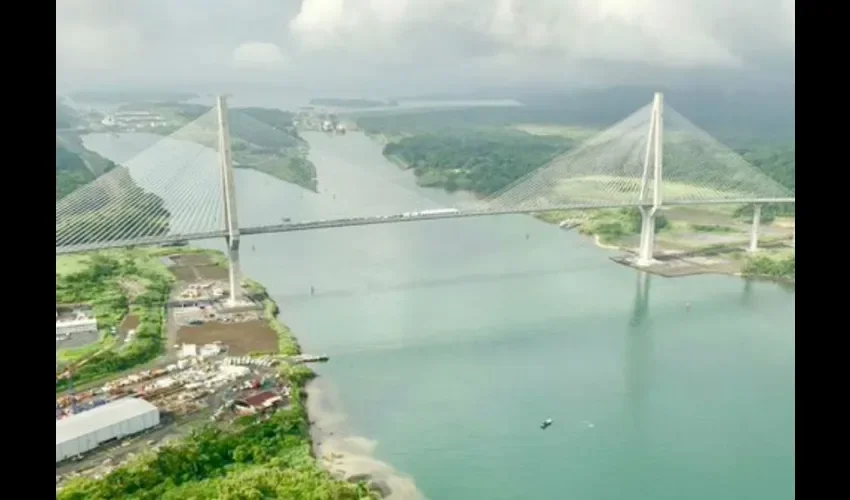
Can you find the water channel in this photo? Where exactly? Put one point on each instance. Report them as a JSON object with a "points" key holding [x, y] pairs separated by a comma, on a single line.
{"points": [[452, 340]]}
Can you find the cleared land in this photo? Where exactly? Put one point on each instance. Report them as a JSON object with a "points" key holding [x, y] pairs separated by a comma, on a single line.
{"points": [[625, 190], [241, 338], [130, 322], [196, 267], [569, 131]]}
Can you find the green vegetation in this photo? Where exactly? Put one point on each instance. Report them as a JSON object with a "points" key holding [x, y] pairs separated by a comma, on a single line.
{"points": [[611, 225], [482, 161], [76, 166], [351, 103], [444, 145], [711, 228], [484, 150], [557, 217], [781, 267], [123, 208], [252, 459], [71, 172], [76, 354], [117, 283]]}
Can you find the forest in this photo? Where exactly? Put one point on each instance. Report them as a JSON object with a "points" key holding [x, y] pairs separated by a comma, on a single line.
{"points": [[485, 150]]}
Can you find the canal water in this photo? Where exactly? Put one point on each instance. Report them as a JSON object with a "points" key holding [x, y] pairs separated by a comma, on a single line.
{"points": [[450, 341]]}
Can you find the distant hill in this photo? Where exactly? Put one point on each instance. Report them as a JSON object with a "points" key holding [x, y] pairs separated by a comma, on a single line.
{"points": [[731, 116], [66, 117], [71, 172], [351, 103], [76, 166]]}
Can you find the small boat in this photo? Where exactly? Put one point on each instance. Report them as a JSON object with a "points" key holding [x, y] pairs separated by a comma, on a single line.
{"points": [[546, 423]]}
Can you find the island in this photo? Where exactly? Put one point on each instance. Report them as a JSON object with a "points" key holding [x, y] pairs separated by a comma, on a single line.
{"points": [[484, 151], [351, 103], [205, 445]]}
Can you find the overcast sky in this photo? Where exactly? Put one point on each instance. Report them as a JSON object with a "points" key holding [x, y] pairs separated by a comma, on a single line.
{"points": [[419, 45]]}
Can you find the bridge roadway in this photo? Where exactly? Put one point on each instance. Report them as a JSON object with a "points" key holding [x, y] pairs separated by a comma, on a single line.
{"points": [[388, 219]]}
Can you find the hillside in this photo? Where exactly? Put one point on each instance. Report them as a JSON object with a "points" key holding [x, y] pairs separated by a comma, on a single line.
{"points": [[66, 117], [76, 166], [71, 172]]}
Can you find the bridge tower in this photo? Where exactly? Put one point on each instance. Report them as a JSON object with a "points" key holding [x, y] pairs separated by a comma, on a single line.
{"points": [[229, 193], [650, 205], [754, 229]]}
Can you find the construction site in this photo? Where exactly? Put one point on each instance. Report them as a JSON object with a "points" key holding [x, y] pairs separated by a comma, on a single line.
{"points": [[198, 312], [206, 375], [205, 384]]}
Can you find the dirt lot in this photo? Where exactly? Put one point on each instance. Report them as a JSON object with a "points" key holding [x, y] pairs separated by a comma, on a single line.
{"points": [[191, 260], [212, 272], [130, 322], [241, 338], [190, 268], [183, 273]]}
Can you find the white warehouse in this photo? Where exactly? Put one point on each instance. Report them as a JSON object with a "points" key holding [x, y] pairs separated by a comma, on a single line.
{"points": [[80, 323], [86, 431]]}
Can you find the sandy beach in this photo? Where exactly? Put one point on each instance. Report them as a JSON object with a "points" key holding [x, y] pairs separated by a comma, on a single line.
{"points": [[345, 455]]}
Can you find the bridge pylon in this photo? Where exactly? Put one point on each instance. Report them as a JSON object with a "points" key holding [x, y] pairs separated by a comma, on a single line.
{"points": [[650, 205], [754, 229], [228, 188]]}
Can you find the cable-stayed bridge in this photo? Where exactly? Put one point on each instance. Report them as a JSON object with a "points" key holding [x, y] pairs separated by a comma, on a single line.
{"points": [[182, 187]]}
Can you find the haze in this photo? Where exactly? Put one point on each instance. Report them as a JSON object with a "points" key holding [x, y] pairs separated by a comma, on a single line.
{"points": [[405, 46]]}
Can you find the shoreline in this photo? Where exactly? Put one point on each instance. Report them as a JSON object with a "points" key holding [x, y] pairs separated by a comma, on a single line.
{"points": [[720, 271], [338, 451]]}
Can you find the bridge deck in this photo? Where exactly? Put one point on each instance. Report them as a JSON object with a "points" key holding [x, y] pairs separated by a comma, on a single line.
{"points": [[390, 219]]}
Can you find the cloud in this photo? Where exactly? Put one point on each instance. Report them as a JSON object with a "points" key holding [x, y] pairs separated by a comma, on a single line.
{"points": [[257, 55], [669, 33], [417, 43]]}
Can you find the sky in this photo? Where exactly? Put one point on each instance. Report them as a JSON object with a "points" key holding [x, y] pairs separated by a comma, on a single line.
{"points": [[421, 45]]}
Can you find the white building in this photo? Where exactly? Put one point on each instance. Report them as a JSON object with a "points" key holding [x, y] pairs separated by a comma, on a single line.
{"points": [[86, 431], [79, 323], [188, 350]]}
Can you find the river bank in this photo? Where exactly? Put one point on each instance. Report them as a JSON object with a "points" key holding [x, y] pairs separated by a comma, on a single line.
{"points": [[686, 247]]}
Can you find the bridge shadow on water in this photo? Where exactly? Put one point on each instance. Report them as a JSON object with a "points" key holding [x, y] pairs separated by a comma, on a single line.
{"points": [[639, 346], [638, 373], [638, 357]]}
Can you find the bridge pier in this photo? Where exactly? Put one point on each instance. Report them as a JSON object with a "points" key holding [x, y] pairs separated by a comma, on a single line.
{"points": [[229, 193], [234, 271], [754, 230], [647, 237]]}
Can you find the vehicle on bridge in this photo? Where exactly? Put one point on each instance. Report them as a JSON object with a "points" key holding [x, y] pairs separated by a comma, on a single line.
{"points": [[439, 211]]}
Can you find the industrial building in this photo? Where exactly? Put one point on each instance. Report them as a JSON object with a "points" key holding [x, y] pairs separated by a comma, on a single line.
{"points": [[80, 322], [259, 402], [86, 431]]}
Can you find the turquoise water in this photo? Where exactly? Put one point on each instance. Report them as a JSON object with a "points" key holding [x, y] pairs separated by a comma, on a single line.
{"points": [[452, 340]]}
